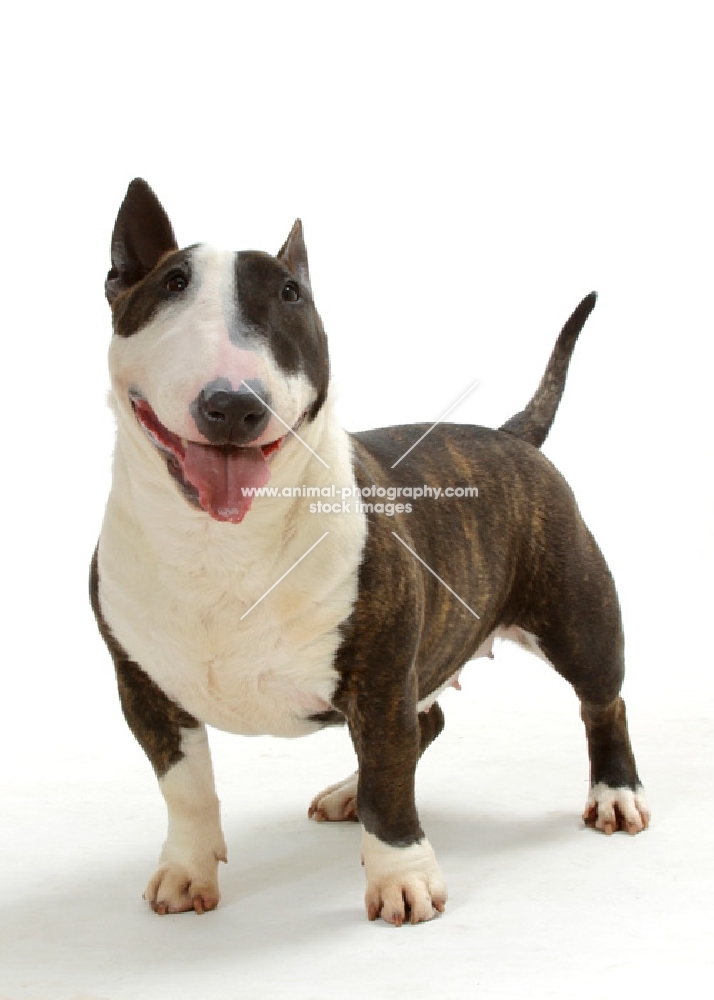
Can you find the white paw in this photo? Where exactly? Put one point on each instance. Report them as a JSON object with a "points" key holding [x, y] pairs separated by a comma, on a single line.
{"points": [[175, 889], [183, 882], [610, 809], [403, 883], [338, 802]]}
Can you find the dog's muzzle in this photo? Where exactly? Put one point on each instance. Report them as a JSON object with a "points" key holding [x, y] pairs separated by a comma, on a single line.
{"points": [[220, 478]]}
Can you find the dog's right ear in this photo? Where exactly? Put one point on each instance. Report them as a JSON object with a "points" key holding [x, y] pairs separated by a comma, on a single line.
{"points": [[142, 236]]}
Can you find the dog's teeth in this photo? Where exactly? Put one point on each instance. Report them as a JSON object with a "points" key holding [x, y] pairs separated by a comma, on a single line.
{"points": [[184, 443]]}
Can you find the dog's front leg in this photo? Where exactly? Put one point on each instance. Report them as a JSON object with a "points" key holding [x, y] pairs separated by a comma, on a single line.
{"points": [[404, 882], [177, 746], [187, 876]]}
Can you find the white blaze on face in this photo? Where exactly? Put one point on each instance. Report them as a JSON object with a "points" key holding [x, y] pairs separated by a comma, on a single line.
{"points": [[196, 340]]}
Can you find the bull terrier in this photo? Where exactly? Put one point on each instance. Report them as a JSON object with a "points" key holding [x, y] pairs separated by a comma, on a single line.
{"points": [[225, 601]]}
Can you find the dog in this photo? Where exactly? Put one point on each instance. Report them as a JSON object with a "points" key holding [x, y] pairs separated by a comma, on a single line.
{"points": [[226, 606]]}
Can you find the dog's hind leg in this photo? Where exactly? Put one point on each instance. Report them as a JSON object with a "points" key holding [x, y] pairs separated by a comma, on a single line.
{"points": [[616, 800], [339, 801], [580, 634]]}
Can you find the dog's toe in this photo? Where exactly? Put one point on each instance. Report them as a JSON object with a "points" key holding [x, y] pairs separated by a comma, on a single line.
{"points": [[612, 809], [336, 803], [404, 885], [173, 888], [410, 899]]}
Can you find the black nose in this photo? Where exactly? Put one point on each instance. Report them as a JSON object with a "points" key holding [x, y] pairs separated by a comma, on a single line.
{"points": [[227, 417]]}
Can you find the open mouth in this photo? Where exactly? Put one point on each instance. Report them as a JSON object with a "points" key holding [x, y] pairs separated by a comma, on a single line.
{"points": [[220, 479]]}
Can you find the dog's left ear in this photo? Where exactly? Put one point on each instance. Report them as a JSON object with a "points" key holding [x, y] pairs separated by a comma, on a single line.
{"points": [[293, 253], [142, 236]]}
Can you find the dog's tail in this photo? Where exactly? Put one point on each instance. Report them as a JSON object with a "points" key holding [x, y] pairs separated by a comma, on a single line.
{"points": [[533, 423]]}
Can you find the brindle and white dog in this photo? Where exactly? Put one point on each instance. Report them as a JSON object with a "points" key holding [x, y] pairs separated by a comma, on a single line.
{"points": [[220, 385]]}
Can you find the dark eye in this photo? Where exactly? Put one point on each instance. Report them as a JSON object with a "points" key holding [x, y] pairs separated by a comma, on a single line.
{"points": [[290, 292], [176, 282]]}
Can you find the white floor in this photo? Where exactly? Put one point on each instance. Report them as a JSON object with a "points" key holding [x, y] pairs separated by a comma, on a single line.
{"points": [[539, 906]]}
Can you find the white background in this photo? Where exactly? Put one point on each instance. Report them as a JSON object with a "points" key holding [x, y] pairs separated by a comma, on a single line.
{"points": [[465, 174]]}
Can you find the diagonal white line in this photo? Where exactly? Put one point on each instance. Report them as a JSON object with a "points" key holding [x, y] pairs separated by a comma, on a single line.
{"points": [[436, 575], [284, 575], [294, 433], [452, 407]]}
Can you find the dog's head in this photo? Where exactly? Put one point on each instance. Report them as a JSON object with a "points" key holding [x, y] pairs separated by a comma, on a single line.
{"points": [[217, 355]]}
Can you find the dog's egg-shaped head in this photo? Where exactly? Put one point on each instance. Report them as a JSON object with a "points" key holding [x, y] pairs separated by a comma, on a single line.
{"points": [[217, 355]]}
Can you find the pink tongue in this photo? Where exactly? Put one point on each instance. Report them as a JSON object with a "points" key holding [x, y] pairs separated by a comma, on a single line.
{"points": [[225, 478]]}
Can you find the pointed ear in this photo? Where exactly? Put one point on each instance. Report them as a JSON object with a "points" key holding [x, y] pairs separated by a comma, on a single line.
{"points": [[293, 253], [142, 235]]}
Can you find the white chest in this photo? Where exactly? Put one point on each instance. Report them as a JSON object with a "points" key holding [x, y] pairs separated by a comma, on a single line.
{"points": [[197, 631], [264, 674]]}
